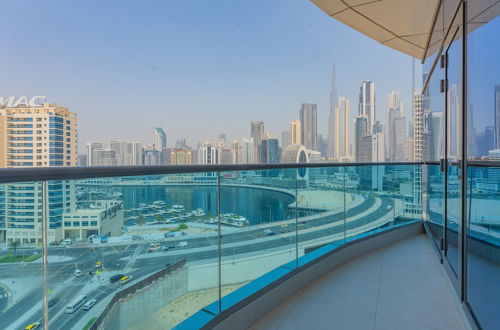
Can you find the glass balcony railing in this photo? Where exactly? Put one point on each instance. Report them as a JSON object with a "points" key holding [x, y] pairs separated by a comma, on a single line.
{"points": [[150, 251], [483, 244]]}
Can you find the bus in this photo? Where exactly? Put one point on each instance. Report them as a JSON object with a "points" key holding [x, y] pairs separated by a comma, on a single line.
{"points": [[75, 304]]}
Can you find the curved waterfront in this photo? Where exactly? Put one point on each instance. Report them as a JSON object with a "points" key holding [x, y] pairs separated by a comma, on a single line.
{"points": [[255, 204]]}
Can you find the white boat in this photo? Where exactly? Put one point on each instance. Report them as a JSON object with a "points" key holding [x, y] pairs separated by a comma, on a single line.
{"points": [[198, 213], [177, 208]]}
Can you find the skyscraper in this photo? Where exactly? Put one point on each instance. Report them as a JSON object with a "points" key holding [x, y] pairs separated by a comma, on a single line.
{"points": [[257, 133], [398, 146], [270, 150], [127, 153], [372, 150], [418, 127], [208, 153], [333, 145], [393, 101], [43, 135], [295, 132], [322, 145], [247, 151], [309, 125], [222, 139], [339, 142], [285, 139], [367, 103], [40, 136], [360, 130], [180, 156], [160, 143], [91, 147], [105, 157]]}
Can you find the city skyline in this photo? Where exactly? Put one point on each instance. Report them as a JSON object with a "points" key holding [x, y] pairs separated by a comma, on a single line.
{"points": [[188, 95]]}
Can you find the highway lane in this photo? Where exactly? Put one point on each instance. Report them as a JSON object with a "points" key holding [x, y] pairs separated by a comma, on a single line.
{"points": [[85, 258], [272, 242], [66, 321], [80, 252], [112, 255], [62, 274]]}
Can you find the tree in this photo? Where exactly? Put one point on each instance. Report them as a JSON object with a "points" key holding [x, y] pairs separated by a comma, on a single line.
{"points": [[160, 218], [183, 226], [140, 220], [14, 245]]}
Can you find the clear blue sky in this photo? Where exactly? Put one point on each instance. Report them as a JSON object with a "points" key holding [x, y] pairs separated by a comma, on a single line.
{"points": [[196, 68]]}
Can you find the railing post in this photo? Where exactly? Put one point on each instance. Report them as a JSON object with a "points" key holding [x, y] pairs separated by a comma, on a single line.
{"points": [[345, 214], [296, 221], [219, 243], [45, 223]]}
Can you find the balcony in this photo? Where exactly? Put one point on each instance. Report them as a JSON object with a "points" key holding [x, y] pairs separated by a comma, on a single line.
{"points": [[262, 246]]}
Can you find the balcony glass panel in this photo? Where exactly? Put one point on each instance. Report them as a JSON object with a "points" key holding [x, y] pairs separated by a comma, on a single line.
{"points": [[21, 272], [434, 200], [483, 72], [258, 221], [321, 201], [483, 245], [147, 247]]}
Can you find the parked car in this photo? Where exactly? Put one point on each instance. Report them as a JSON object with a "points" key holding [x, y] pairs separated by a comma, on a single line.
{"points": [[77, 273], [32, 326], [125, 279], [88, 305], [115, 278], [268, 232], [66, 242]]}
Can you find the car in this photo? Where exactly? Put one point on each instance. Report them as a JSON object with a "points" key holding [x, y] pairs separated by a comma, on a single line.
{"points": [[88, 305], [98, 264], [182, 244], [268, 232], [77, 273], [115, 278], [388, 208], [125, 279], [66, 242], [52, 302], [32, 326], [54, 243]]}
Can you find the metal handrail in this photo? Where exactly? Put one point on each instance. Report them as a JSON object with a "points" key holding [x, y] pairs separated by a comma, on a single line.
{"points": [[484, 163], [32, 174]]}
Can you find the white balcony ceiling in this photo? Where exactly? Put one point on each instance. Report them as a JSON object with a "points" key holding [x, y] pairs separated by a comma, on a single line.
{"points": [[406, 25]]}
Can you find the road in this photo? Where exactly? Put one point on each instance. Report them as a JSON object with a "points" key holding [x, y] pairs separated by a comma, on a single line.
{"points": [[120, 259]]}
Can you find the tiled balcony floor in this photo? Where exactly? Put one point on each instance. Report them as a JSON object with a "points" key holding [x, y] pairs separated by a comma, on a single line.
{"points": [[401, 286]]}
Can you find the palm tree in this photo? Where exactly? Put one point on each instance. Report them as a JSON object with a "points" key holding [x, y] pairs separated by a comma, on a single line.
{"points": [[160, 218], [140, 220], [14, 245]]}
